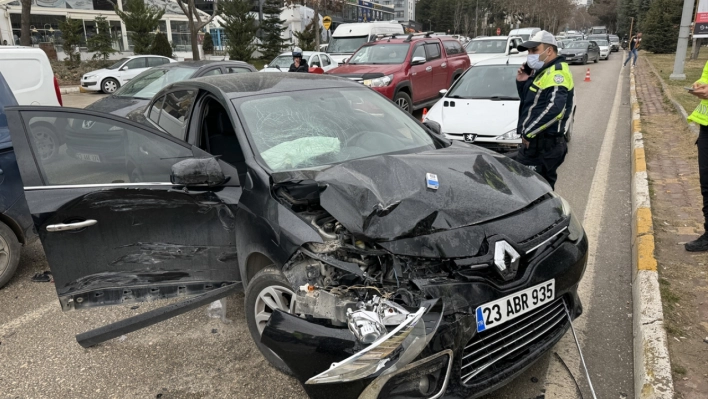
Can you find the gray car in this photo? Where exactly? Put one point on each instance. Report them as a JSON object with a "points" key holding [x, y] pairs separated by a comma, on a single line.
{"points": [[137, 93], [581, 51]]}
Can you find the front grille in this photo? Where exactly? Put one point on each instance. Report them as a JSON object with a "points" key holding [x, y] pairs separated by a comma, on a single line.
{"points": [[493, 354]]}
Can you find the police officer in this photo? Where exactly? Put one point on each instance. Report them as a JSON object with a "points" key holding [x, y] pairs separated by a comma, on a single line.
{"points": [[299, 64], [700, 116], [545, 87]]}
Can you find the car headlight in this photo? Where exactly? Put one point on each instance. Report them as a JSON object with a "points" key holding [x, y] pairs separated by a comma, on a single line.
{"points": [[379, 82], [575, 228], [510, 135], [400, 346], [89, 76]]}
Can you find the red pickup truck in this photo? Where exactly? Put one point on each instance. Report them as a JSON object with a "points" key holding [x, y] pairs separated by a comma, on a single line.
{"points": [[410, 70]]}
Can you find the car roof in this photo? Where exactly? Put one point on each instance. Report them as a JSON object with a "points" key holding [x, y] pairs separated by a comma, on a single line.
{"points": [[490, 38], [201, 64], [237, 85], [502, 60], [304, 53]]}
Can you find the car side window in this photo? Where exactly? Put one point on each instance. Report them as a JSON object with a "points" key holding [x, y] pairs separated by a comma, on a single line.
{"points": [[154, 113], [175, 112], [237, 70], [215, 71], [433, 50], [419, 52], [315, 61], [137, 63], [99, 150], [154, 61], [325, 60]]}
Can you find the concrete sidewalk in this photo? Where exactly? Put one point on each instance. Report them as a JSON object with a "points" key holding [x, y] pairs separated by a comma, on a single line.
{"points": [[672, 169]]}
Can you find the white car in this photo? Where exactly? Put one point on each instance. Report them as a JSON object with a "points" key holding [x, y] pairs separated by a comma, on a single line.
{"points": [[482, 106], [484, 48], [605, 49], [108, 80], [282, 62]]}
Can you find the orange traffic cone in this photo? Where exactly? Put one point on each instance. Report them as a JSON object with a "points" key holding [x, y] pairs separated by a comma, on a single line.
{"points": [[587, 76], [425, 112]]}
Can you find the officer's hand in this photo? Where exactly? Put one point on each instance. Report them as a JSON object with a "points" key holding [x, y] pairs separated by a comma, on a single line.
{"points": [[525, 142], [701, 92], [521, 76], [696, 85]]}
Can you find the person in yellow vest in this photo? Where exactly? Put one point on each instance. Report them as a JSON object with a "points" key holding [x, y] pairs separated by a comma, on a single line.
{"points": [[546, 90], [700, 116]]}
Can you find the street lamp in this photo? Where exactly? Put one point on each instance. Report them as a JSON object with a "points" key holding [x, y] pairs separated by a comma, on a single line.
{"points": [[431, 24]]}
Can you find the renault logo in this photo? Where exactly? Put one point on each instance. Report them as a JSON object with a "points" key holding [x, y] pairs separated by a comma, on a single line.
{"points": [[506, 259]]}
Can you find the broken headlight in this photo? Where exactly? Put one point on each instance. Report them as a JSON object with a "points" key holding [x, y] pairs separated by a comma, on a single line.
{"points": [[575, 228], [510, 135], [401, 346]]}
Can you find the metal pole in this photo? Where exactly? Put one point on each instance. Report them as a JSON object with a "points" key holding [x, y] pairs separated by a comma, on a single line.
{"points": [[682, 44]]}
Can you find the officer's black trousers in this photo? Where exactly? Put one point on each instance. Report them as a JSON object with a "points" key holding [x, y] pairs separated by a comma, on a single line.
{"points": [[702, 144], [545, 158]]}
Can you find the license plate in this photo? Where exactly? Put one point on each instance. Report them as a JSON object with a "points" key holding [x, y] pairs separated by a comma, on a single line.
{"points": [[88, 157], [496, 313], [470, 138]]}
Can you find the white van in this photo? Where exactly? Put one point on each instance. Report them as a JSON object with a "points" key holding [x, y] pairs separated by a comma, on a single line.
{"points": [[29, 75], [347, 38], [524, 33]]}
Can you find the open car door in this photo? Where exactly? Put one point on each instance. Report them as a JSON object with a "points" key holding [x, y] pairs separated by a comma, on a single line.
{"points": [[109, 237]]}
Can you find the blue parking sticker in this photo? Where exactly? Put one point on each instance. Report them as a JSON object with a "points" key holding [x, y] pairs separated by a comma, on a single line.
{"points": [[431, 181], [480, 320]]}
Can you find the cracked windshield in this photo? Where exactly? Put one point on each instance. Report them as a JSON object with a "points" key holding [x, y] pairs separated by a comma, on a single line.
{"points": [[308, 136]]}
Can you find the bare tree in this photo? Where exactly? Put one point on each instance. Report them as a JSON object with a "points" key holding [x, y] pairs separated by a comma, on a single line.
{"points": [[195, 22], [457, 17], [25, 38]]}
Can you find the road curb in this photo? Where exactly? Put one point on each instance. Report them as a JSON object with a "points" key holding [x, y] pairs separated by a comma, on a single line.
{"points": [[652, 368], [681, 110]]}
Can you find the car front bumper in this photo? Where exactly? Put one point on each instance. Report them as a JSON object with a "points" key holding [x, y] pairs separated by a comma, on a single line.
{"points": [[90, 85], [488, 142], [457, 362], [575, 58]]}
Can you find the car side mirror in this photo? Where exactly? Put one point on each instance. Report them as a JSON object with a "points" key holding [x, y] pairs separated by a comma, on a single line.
{"points": [[265, 66], [197, 172], [433, 127], [513, 51], [442, 93], [344, 61], [125, 68], [418, 60]]}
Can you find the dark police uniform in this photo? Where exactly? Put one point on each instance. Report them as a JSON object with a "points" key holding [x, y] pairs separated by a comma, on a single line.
{"points": [[302, 68], [545, 110]]}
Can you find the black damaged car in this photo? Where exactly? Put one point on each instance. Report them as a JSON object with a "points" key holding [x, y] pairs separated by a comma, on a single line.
{"points": [[378, 258]]}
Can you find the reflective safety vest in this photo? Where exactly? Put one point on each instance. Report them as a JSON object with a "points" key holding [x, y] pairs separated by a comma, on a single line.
{"points": [[700, 114], [547, 101]]}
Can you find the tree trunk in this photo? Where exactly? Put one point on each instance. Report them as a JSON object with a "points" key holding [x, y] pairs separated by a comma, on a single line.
{"points": [[25, 39], [193, 30], [696, 48], [315, 8]]}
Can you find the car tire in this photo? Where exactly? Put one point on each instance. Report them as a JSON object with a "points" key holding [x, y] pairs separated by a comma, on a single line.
{"points": [[109, 86], [404, 102], [10, 250], [269, 284], [597, 59], [47, 141], [585, 60]]}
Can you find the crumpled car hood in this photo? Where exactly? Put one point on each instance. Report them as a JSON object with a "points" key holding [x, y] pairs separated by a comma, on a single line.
{"points": [[386, 197]]}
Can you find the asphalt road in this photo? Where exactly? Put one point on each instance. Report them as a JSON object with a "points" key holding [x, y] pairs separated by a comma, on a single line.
{"points": [[194, 356]]}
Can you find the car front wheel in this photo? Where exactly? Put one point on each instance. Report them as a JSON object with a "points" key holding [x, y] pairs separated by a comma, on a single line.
{"points": [[9, 254], [109, 86], [585, 60], [267, 291], [403, 100], [46, 140]]}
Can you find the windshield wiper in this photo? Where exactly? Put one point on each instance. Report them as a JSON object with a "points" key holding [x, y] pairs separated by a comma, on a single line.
{"points": [[278, 66], [454, 96], [503, 98]]}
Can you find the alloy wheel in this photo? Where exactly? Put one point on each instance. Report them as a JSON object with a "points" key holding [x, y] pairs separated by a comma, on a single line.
{"points": [[4, 255], [401, 102], [110, 86], [272, 298], [44, 139]]}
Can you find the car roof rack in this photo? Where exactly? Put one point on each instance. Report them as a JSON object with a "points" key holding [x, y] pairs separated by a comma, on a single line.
{"points": [[409, 37]]}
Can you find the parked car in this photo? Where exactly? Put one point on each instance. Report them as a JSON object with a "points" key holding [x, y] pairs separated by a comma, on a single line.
{"points": [[581, 51], [347, 38], [409, 71], [605, 48], [615, 41], [491, 47], [136, 94], [314, 59], [16, 228], [378, 258], [524, 33], [110, 79], [482, 106]]}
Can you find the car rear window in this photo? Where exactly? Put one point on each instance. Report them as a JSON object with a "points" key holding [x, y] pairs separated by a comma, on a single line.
{"points": [[453, 47]]}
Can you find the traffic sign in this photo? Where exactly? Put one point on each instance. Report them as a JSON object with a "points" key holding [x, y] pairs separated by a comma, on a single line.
{"points": [[326, 22], [498, 31]]}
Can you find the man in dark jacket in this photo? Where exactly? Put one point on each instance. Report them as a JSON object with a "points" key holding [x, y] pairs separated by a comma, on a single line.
{"points": [[299, 64], [546, 90]]}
